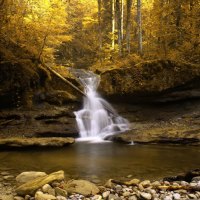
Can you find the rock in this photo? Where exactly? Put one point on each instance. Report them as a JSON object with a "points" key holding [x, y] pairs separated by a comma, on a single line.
{"points": [[97, 197], [5, 173], [27, 197], [109, 184], [145, 195], [60, 192], [81, 187], [18, 198], [176, 196], [156, 184], [196, 179], [41, 142], [8, 177], [157, 80], [106, 194], [129, 176], [145, 183], [133, 197], [168, 198], [61, 198], [6, 197], [126, 194], [31, 186], [133, 182], [41, 196], [28, 176], [46, 188], [113, 197], [192, 196]]}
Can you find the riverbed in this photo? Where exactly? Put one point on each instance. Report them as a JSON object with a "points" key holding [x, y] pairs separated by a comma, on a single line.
{"points": [[101, 161]]}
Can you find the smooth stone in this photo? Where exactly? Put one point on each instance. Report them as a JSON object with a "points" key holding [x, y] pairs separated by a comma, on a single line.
{"points": [[133, 182], [31, 186], [145, 195], [97, 197], [29, 176], [96, 181], [126, 194], [196, 179], [177, 196], [109, 184], [48, 189], [184, 183], [145, 183], [61, 198], [113, 197], [18, 198], [60, 192], [193, 184], [5, 173], [8, 178], [41, 196], [156, 184], [118, 188], [133, 198], [167, 198], [6, 197], [27, 197], [106, 194], [129, 176], [192, 196], [81, 187]]}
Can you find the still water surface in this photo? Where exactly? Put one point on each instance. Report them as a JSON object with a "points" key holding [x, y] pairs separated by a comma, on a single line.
{"points": [[106, 160]]}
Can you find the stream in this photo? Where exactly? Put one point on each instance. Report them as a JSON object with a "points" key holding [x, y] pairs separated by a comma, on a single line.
{"points": [[105, 160]]}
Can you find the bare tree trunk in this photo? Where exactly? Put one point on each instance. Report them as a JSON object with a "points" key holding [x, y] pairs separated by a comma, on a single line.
{"points": [[139, 22], [118, 12], [113, 24], [100, 29], [128, 8]]}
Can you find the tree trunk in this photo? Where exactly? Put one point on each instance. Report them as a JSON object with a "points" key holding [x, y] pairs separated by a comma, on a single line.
{"points": [[100, 29], [118, 13], [139, 23], [128, 17], [113, 24]]}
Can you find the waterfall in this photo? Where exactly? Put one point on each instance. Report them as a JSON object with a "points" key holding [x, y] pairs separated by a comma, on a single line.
{"points": [[97, 118]]}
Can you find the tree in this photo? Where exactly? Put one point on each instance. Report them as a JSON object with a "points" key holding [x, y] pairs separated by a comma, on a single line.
{"points": [[139, 23]]}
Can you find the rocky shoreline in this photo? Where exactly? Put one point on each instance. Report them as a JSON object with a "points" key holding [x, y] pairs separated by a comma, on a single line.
{"points": [[55, 186]]}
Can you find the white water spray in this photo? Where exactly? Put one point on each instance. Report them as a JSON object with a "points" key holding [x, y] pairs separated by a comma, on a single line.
{"points": [[97, 118]]}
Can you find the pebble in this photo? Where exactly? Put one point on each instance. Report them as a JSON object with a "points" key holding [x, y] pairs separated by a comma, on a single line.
{"points": [[132, 198], [60, 192], [196, 179], [126, 194], [61, 198], [106, 194], [97, 197], [145, 195], [113, 197], [145, 183], [177, 196], [5, 173], [18, 198], [167, 198], [8, 177], [192, 196], [27, 197], [129, 176]]}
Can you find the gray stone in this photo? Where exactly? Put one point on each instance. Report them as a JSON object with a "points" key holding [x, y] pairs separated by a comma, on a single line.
{"points": [[60, 192], [196, 179], [61, 198], [41, 196], [29, 176], [145, 195], [177, 196], [81, 187], [106, 194]]}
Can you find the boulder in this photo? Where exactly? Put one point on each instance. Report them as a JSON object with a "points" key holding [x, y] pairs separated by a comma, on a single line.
{"points": [[157, 80], [81, 187], [28, 176], [30, 187]]}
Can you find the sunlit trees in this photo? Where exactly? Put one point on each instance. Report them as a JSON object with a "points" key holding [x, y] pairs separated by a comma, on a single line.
{"points": [[38, 26]]}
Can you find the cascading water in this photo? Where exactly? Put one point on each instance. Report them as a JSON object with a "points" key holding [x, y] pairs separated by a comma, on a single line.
{"points": [[97, 118]]}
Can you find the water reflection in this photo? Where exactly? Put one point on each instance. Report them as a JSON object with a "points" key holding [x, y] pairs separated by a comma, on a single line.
{"points": [[106, 160]]}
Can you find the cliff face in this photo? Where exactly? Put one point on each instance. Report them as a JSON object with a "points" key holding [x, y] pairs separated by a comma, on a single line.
{"points": [[158, 80]]}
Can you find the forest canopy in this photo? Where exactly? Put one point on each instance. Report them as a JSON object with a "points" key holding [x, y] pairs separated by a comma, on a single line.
{"points": [[81, 33]]}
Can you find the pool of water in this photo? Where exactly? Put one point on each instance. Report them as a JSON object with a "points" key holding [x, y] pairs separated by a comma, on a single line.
{"points": [[106, 160]]}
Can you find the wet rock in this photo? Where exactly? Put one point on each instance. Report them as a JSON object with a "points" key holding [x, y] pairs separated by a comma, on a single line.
{"points": [[81, 186], [18, 198], [41, 196], [28, 176], [113, 197], [176, 196], [145, 183], [31, 186], [8, 177], [133, 182], [109, 184]]}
